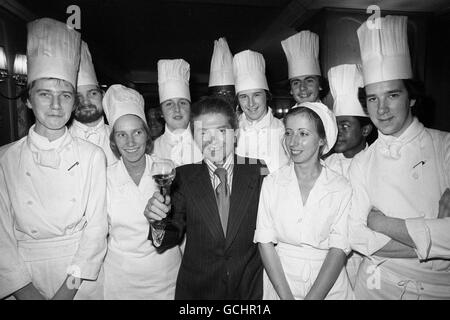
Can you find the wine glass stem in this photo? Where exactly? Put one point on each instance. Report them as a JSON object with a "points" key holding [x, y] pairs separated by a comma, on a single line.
{"points": [[163, 192]]}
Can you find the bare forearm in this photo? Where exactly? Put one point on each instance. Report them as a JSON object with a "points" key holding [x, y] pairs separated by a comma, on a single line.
{"points": [[68, 289], [395, 249], [329, 272], [29, 292], [274, 270], [394, 228]]}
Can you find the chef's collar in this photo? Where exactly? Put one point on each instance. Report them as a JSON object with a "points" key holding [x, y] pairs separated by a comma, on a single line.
{"points": [[44, 143], [178, 133], [86, 128], [264, 122]]}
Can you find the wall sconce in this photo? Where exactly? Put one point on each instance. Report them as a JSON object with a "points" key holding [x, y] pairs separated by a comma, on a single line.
{"points": [[19, 70]]}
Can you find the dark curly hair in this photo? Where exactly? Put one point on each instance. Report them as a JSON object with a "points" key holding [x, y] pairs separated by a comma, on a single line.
{"points": [[213, 104], [415, 89]]}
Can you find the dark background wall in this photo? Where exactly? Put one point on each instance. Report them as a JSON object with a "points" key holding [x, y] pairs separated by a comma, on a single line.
{"points": [[13, 39], [428, 33]]}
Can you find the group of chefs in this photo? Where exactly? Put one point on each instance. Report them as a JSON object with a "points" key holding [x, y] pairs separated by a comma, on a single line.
{"points": [[334, 218]]}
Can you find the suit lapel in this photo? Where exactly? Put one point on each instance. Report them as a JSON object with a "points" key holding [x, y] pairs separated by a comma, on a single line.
{"points": [[206, 200], [244, 181]]}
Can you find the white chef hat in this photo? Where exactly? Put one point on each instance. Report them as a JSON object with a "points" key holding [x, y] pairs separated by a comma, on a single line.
{"points": [[328, 119], [345, 80], [120, 100], [385, 51], [173, 79], [86, 74], [221, 70], [53, 51], [249, 69], [302, 54]]}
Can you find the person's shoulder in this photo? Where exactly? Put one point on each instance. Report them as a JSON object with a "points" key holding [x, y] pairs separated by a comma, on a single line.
{"points": [[84, 144], [337, 180], [277, 123], [88, 150], [363, 157], [439, 135], [114, 168], [12, 149], [186, 171], [249, 161]]}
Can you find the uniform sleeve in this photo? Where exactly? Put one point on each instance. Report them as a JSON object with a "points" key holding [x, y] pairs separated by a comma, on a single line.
{"points": [[92, 248], [432, 236], [339, 228], [265, 231], [13, 271], [362, 238]]}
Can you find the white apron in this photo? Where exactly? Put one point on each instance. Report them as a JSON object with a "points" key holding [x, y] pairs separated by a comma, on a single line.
{"points": [[50, 261], [132, 268], [394, 281], [301, 266]]}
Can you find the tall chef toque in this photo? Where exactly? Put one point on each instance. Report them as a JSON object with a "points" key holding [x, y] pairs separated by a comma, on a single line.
{"points": [[53, 51]]}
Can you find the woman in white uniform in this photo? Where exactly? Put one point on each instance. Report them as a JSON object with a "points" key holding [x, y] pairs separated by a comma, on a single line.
{"points": [[260, 134], [132, 268], [302, 217]]}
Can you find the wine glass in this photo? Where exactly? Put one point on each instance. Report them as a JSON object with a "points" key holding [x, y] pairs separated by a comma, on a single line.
{"points": [[163, 172]]}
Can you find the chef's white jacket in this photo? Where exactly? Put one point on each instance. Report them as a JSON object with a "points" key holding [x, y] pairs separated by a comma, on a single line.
{"points": [[98, 135], [404, 178], [262, 140], [177, 146], [52, 206], [304, 232]]}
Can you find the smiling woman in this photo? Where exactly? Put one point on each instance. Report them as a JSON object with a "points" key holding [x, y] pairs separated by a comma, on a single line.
{"points": [[130, 138], [132, 269], [308, 260]]}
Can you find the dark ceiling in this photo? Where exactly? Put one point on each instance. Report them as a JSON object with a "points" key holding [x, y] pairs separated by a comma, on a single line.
{"points": [[131, 36], [128, 37]]}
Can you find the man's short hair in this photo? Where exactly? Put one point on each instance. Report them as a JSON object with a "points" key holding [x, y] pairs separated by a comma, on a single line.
{"points": [[323, 83], [268, 100], [415, 89], [212, 104], [25, 94]]}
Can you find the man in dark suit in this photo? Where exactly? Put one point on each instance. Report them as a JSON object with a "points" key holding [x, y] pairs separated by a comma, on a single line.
{"points": [[215, 202]]}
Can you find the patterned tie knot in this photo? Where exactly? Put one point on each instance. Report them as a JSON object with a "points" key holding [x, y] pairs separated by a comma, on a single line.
{"points": [[222, 174]]}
